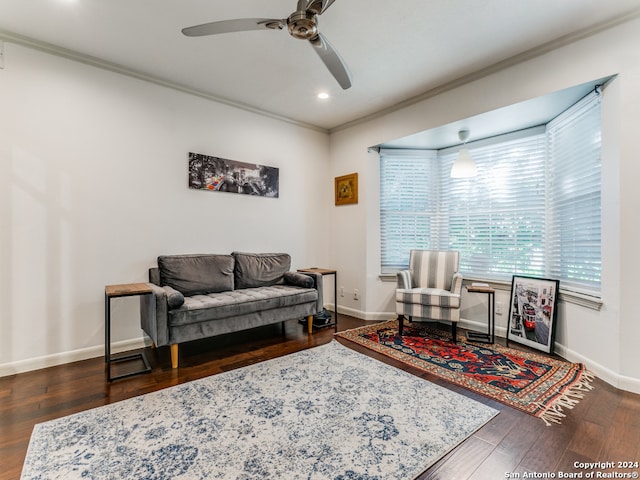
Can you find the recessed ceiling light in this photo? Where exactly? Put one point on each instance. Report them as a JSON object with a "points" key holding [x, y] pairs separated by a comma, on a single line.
{"points": [[323, 95]]}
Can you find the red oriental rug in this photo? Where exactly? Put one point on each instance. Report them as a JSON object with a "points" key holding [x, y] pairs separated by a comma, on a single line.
{"points": [[536, 384]]}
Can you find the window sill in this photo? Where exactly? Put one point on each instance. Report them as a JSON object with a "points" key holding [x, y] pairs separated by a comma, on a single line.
{"points": [[567, 296]]}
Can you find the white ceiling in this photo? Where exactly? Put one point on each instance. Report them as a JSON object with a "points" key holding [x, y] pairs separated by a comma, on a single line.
{"points": [[396, 50]]}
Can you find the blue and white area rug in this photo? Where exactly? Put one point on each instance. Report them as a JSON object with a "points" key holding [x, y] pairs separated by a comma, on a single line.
{"points": [[324, 413]]}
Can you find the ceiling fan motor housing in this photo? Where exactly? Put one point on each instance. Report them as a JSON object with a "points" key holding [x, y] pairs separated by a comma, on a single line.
{"points": [[303, 25]]}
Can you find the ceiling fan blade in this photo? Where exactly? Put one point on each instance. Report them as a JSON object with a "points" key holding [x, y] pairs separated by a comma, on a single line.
{"points": [[332, 60], [237, 25], [316, 6]]}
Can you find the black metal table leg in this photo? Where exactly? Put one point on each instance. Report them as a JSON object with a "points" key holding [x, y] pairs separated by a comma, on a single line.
{"points": [[115, 291], [482, 337]]}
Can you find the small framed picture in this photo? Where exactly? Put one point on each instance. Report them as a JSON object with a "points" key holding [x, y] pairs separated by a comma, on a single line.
{"points": [[346, 188], [532, 312]]}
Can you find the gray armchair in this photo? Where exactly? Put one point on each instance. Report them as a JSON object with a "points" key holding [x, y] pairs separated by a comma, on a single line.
{"points": [[430, 290]]}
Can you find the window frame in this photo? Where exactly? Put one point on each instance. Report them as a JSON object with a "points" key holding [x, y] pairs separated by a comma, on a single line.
{"points": [[587, 294]]}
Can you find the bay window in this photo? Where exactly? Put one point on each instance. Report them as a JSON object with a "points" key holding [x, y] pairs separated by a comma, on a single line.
{"points": [[533, 209]]}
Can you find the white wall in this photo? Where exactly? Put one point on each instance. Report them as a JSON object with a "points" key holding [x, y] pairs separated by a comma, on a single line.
{"points": [[605, 340], [93, 187]]}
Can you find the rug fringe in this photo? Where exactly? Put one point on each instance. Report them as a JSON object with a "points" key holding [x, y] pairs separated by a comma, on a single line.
{"points": [[570, 398]]}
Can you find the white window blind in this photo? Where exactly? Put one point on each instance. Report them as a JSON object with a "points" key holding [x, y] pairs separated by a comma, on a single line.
{"points": [[533, 209], [497, 219], [408, 204], [574, 239]]}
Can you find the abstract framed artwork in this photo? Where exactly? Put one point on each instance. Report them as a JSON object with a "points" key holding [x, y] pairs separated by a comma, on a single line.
{"points": [[533, 312], [222, 175], [346, 189]]}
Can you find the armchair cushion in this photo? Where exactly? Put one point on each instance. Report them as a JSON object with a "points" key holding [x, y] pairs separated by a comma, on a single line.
{"points": [[433, 269], [428, 296]]}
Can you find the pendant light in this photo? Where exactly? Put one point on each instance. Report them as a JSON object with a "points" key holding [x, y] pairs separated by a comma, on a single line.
{"points": [[464, 166]]}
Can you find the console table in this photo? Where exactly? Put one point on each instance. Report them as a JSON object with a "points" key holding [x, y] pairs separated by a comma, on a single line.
{"points": [[323, 272], [488, 337], [115, 291]]}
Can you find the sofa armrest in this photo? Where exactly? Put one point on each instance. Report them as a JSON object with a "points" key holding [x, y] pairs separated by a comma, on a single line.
{"points": [[318, 285], [403, 279], [456, 284], [153, 315]]}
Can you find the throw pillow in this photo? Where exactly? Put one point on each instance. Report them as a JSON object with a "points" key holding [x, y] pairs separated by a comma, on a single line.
{"points": [[175, 299], [298, 279]]}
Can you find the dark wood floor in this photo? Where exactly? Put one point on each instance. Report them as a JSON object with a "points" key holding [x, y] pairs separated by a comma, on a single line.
{"points": [[603, 427]]}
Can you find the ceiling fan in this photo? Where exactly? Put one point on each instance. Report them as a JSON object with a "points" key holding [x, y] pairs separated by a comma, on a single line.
{"points": [[302, 24]]}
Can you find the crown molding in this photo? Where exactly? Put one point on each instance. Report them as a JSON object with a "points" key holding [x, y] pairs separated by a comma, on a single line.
{"points": [[496, 67], [51, 49], [451, 85]]}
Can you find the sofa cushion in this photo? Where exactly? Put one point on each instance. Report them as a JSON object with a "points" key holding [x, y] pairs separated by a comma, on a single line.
{"points": [[196, 274], [217, 306], [260, 269]]}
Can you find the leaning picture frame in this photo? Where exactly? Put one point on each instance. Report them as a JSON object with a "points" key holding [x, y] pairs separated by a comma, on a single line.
{"points": [[533, 312]]}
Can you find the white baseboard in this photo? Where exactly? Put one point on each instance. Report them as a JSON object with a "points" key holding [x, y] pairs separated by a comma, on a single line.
{"points": [[378, 316], [383, 316], [622, 382], [46, 361]]}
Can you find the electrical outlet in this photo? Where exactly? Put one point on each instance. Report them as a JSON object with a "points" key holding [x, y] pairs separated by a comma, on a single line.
{"points": [[499, 307], [342, 291], [356, 294]]}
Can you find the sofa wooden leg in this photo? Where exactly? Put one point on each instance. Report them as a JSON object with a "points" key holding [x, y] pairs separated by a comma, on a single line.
{"points": [[454, 333], [310, 324], [174, 355]]}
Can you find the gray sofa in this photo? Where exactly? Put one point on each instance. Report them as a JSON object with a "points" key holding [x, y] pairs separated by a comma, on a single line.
{"points": [[200, 296]]}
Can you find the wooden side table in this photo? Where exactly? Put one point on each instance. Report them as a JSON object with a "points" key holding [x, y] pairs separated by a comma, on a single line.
{"points": [[323, 272], [488, 337], [115, 291]]}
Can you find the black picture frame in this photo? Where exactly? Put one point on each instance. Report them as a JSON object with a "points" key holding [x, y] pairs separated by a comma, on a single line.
{"points": [[217, 174], [533, 312]]}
